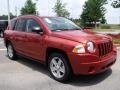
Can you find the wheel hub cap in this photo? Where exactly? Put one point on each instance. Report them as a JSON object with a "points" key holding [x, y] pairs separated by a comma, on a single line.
{"points": [[57, 67], [10, 51]]}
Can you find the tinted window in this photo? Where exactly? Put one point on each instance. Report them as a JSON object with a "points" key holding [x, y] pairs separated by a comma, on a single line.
{"points": [[20, 26], [30, 24], [12, 23]]}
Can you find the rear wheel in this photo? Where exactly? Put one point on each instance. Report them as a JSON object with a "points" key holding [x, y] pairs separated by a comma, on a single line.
{"points": [[11, 52], [59, 67]]}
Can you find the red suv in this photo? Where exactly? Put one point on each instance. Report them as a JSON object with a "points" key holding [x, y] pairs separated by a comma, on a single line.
{"points": [[60, 44]]}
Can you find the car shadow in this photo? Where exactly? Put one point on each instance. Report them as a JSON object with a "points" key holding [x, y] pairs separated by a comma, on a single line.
{"points": [[81, 80], [34, 65], [89, 80]]}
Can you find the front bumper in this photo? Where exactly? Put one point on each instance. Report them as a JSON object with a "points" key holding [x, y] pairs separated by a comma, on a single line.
{"points": [[91, 64]]}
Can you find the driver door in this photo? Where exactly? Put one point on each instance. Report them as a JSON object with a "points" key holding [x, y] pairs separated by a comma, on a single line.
{"points": [[34, 41]]}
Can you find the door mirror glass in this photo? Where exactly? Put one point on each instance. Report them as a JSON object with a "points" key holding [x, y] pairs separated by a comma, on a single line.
{"points": [[37, 30]]}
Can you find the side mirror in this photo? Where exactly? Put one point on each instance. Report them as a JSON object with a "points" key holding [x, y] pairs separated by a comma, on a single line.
{"points": [[37, 30]]}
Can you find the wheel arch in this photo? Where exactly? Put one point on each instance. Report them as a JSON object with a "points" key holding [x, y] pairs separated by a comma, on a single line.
{"points": [[51, 50], [7, 42]]}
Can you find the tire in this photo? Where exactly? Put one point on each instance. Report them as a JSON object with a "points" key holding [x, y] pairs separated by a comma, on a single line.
{"points": [[58, 67], [11, 52]]}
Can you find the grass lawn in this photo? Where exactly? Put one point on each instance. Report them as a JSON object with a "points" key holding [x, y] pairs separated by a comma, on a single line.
{"points": [[107, 28], [114, 26], [110, 28], [103, 30]]}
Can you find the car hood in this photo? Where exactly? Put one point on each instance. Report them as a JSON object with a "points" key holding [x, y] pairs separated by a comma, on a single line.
{"points": [[81, 36]]}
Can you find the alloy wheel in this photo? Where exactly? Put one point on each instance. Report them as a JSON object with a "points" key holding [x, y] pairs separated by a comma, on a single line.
{"points": [[57, 67]]}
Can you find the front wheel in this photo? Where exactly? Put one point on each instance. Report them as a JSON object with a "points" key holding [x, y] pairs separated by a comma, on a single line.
{"points": [[11, 52], [59, 67]]}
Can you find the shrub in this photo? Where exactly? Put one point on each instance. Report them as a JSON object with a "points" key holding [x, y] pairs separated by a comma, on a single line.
{"points": [[116, 41]]}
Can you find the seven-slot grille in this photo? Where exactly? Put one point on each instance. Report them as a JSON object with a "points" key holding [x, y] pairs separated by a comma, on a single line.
{"points": [[105, 48]]}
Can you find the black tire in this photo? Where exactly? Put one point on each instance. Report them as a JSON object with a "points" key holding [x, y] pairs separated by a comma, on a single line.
{"points": [[67, 73], [13, 55]]}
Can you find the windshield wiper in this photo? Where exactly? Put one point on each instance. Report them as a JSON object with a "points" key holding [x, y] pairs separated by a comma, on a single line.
{"points": [[56, 30], [66, 29], [60, 29], [75, 29]]}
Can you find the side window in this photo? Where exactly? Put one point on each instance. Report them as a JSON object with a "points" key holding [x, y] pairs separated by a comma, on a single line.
{"points": [[30, 24], [12, 24], [20, 25]]}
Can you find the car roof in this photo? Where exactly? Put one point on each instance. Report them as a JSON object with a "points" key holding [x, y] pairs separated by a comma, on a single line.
{"points": [[24, 16]]}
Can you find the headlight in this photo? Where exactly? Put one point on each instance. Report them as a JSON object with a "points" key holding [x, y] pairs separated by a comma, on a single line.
{"points": [[79, 49], [90, 47]]}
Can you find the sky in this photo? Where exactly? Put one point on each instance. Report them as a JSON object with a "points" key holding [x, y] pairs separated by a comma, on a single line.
{"points": [[44, 7]]}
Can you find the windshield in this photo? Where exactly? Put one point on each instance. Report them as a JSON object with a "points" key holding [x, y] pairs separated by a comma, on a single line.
{"points": [[60, 24]]}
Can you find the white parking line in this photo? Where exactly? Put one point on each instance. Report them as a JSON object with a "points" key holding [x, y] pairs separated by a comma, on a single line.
{"points": [[3, 49]]}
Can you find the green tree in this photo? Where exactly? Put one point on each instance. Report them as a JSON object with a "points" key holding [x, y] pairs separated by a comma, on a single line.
{"points": [[5, 17], [93, 11], [116, 3], [60, 9], [103, 20], [29, 8], [76, 21]]}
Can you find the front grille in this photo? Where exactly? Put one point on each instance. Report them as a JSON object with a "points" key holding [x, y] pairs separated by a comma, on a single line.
{"points": [[105, 48]]}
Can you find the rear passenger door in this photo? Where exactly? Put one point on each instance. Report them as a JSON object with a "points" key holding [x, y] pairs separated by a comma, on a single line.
{"points": [[19, 35]]}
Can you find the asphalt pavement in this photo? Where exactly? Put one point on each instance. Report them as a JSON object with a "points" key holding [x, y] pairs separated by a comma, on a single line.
{"points": [[25, 74]]}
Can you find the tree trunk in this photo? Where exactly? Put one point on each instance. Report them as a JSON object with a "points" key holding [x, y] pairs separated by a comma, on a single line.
{"points": [[95, 24]]}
